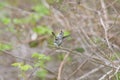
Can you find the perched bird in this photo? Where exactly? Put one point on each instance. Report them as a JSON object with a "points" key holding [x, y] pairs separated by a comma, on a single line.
{"points": [[59, 38]]}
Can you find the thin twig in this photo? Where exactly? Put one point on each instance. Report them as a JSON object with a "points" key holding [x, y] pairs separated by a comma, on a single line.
{"points": [[116, 71], [29, 77], [104, 76], [61, 66], [110, 73], [8, 53], [104, 25], [81, 65], [91, 72], [24, 12]]}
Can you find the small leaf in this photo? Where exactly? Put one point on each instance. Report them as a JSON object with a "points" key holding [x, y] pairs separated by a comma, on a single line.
{"points": [[6, 20], [42, 73], [33, 43], [41, 9], [41, 56], [61, 57], [35, 55], [26, 67], [81, 50], [11, 29], [118, 76], [5, 47], [21, 66], [42, 30], [37, 64], [17, 64], [17, 21], [2, 4]]}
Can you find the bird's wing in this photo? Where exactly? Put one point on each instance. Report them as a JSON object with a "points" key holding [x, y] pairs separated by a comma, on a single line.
{"points": [[53, 34], [65, 36]]}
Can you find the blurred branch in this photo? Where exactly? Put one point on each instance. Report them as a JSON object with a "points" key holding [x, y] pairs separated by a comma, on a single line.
{"points": [[116, 71], [61, 66], [110, 73], [66, 50], [35, 69], [104, 23], [81, 65], [24, 12], [90, 72], [107, 6], [30, 75], [64, 60], [8, 53], [107, 74], [90, 9], [105, 29], [60, 17], [32, 61]]}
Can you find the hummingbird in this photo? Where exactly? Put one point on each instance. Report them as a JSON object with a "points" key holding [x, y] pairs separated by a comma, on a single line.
{"points": [[59, 38]]}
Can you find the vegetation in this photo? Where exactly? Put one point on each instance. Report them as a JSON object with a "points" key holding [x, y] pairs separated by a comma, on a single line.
{"points": [[90, 52]]}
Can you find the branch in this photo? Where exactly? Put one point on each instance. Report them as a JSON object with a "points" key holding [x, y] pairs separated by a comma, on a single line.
{"points": [[91, 72], [77, 69], [61, 66], [104, 76], [8, 53]]}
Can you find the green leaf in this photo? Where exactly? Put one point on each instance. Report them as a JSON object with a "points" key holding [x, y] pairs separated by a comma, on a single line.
{"points": [[26, 67], [34, 17], [2, 4], [42, 30], [47, 58], [42, 73], [42, 64], [118, 76], [21, 66], [33, 43], [5, 20], [61, 57], [81, 50], [40, 59], [17, 21], [4, 46], [41, 56], [18, 64], [114, 56], [37, 64], [41, 9], [22, 20], [11, 29], [35, 55]]}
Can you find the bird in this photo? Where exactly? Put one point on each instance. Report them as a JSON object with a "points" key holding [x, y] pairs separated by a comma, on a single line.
{"points": [[59, 38]]}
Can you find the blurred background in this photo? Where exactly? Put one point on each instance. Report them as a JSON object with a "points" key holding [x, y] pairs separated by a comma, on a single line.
{"points": [[91, 52]]}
